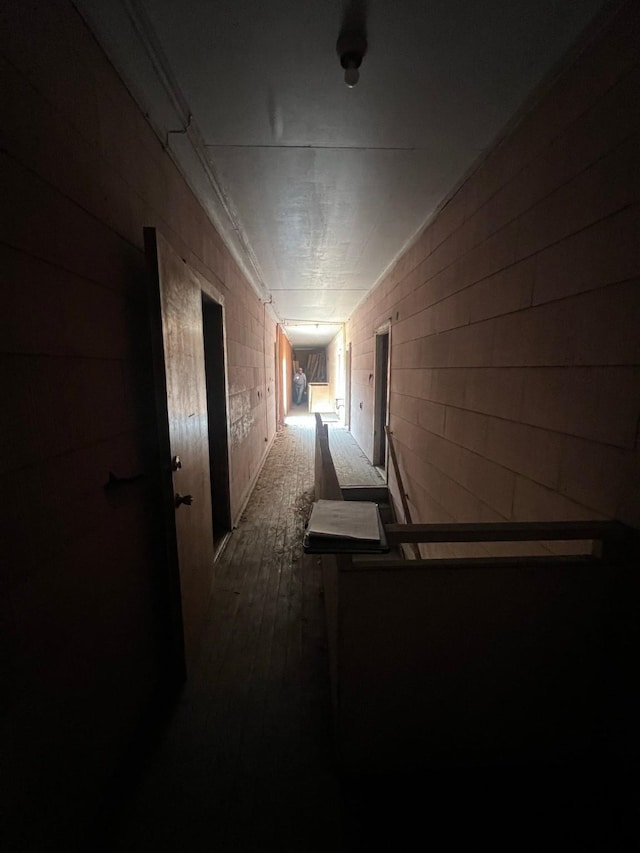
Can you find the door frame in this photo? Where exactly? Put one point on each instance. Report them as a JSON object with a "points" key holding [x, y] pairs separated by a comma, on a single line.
{"points": [[381, 407], [212, 294], [347, 386]]}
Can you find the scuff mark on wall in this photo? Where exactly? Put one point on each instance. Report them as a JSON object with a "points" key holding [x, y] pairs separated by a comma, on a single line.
{"points": [[241, 416]]}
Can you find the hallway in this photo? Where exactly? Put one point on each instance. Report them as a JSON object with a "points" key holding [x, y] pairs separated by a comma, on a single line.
{"points": [[247, 762], [471, 209]]}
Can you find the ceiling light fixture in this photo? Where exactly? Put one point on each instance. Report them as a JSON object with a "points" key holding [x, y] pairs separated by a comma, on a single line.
{"points": [[351, 48]]}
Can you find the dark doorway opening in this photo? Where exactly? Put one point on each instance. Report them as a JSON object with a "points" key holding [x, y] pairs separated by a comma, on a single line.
{"points": [[347, 389], [381, 400], [213, 329]]}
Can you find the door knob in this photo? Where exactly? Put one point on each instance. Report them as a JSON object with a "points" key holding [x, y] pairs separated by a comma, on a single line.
{"points": [[176, 464], [183, 499]]}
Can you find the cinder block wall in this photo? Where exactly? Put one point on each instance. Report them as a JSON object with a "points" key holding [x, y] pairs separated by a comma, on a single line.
{"points": [[515, 340], [335, 367], [81, 628]]}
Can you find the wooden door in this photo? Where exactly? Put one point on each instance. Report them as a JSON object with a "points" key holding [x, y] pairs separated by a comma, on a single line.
{"points": [[181, 394]]}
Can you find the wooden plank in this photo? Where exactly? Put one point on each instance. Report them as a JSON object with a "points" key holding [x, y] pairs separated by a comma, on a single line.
{"points": [[364, 564], [404, 498], [326, 481], [396, 466], [351, 463], [379, 494], [508, 531]]}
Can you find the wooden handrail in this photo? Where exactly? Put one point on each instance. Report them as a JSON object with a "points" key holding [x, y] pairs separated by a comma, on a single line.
{"points": [[577, 561], [404, 498], [616, 539], [396, 467], [326, 479], [507, 531]]}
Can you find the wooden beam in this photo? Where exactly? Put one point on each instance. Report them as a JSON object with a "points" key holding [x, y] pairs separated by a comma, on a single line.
{"points": [[365, 564], [327, 486], [508, 531], [403, 495]]}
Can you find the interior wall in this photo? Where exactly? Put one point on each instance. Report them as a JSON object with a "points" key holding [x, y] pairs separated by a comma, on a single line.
{"points": [[285, 375], [81, 607], [335, 368], [515, 363], [269, 337]]}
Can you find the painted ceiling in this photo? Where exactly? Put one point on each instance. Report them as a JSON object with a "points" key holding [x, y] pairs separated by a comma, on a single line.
{"points": [[317, 187]]}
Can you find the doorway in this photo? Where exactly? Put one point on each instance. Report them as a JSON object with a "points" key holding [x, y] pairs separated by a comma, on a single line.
{"points": [[213, 332], [347, 388], [187, 331], [381, 399]]}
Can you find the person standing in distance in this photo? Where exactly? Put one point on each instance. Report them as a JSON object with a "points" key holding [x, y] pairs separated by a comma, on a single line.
{"points": [[299, 385]]}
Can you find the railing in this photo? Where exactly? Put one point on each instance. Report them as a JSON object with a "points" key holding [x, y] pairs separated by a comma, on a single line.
{"points": [[484, 659], [327, 486]]}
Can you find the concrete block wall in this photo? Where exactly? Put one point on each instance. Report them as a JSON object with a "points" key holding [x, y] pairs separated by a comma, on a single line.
{"points": [[251, 335], [335, 368], [515, 315], [81, 627]]}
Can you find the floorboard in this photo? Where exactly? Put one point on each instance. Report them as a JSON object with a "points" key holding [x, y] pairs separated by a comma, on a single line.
{"points": [[352, 466]]}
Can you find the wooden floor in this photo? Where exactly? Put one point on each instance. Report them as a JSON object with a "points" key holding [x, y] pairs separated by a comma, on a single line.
{"points": [[247, 763]]}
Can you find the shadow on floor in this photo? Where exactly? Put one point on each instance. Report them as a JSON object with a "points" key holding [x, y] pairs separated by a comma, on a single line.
{"points": [[512, 809]]}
